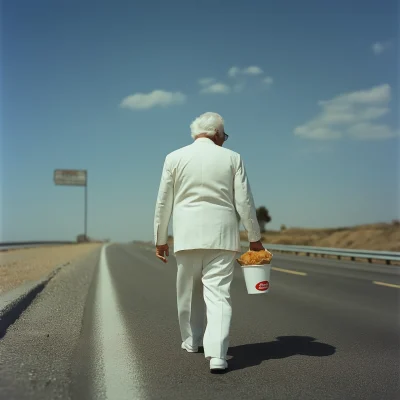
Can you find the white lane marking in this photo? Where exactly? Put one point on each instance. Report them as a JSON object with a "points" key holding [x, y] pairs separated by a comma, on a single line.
{"points": [[289, 271], [392, 285], [121, 378]]}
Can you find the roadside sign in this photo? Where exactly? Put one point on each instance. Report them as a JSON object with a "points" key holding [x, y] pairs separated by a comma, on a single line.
{"points": [[70, 177]]}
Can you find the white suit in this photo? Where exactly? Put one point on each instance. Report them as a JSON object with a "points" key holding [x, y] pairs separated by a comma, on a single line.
{"points": [[206, 187]]}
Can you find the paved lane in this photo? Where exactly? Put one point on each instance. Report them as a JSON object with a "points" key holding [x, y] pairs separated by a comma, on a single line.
{"points": [[327, 334], [106, 327]]}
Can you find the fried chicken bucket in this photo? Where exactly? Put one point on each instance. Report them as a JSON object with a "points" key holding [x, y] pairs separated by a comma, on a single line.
{"points": [[256, 267]]}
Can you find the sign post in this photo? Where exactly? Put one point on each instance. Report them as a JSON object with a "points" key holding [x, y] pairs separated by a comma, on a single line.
{"points": [[73, 177]]}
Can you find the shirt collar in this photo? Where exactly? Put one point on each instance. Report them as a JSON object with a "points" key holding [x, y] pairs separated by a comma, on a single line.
{"points": [[204, 140]]}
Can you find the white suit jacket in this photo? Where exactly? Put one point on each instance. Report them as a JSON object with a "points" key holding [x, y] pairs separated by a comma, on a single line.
{"points": [[205, 186]]}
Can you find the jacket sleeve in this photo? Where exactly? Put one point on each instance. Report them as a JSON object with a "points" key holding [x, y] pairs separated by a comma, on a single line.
{"points": [[164, 205], [244, 203]]}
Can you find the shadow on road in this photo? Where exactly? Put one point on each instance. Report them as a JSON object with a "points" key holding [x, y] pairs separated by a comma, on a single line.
{"points": [[249, 355]]}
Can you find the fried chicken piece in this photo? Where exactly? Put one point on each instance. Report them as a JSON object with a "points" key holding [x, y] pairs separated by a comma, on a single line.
{"points": [[255, 258]]}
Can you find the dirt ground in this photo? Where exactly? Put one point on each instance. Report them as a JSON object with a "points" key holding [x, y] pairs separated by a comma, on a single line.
{"points": [[18, 266], [384, 236]]}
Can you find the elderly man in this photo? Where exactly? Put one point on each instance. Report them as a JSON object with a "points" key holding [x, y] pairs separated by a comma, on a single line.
{"points": [[206, 187]]}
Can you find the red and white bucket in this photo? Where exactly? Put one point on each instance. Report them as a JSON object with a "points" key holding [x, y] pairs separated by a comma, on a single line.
{"points": [[257, 278]]}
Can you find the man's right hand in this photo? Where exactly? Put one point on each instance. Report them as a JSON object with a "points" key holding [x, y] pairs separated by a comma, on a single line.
{"points": [[162, 252], [256, 246]]}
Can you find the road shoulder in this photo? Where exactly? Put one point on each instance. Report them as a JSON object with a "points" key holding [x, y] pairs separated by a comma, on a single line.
{"points": [[36, 352]]}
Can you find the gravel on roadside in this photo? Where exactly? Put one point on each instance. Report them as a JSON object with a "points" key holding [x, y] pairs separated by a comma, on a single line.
{"points": [[23, 265]]}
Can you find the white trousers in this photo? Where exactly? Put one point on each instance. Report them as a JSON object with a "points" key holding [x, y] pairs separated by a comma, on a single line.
{"points": [[205, 277]]}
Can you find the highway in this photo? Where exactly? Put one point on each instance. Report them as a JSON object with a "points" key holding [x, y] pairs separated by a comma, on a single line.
{"points": [[106, 328]]}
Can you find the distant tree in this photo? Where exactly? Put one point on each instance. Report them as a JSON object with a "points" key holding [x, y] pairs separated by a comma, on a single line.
{"points": [[263, 217], [283, 227]]}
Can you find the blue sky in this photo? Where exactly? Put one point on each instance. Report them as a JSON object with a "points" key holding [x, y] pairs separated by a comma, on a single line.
{"points": [[307, 90]]}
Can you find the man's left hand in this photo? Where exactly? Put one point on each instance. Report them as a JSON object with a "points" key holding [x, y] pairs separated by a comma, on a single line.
{"points": [[162, 252]]}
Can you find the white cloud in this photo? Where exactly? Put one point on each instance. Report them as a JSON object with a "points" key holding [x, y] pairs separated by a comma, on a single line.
{"points": [[377, 94], [206, 81], [156, 98], [233, 72], [352, 114], [380, 47], [268, 80], [253, 70], [216, 88], [366, 130], [212, 86], [317, 132]]}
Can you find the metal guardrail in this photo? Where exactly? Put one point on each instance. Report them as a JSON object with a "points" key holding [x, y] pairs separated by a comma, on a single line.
{"points": [[388, 256]]}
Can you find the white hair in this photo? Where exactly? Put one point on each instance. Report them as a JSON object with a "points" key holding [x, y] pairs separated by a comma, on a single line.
{"points": [[209, 123]]}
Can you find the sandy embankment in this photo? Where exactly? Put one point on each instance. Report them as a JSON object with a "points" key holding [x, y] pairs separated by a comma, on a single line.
{"points": [[380, 237], [22, 265]]}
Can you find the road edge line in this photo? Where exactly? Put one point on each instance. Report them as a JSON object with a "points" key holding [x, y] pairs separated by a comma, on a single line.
{"points": [[391, 285], [114, 359], [289, 271]]}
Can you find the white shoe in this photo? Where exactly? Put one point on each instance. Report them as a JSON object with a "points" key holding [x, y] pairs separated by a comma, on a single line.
{"points": [[218, 364], [189, 348]]}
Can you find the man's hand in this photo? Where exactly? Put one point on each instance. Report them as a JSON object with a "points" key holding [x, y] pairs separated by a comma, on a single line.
{"points": [[256, 246], [162, 252]]}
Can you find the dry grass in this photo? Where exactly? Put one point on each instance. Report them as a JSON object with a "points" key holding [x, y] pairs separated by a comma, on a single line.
{"points": [[365, 237]]}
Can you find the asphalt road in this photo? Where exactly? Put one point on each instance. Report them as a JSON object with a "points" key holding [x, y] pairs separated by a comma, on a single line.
{"points": [[106, 328]]}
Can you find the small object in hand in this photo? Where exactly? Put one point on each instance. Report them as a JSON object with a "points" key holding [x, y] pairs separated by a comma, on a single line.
{"points": [[255, 258]]}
